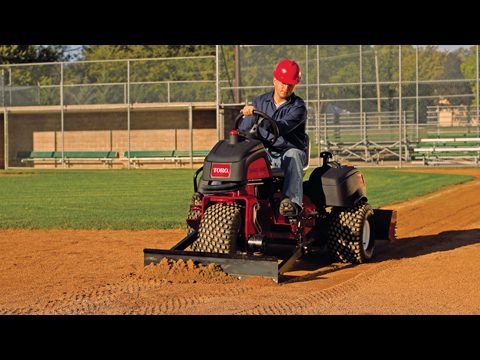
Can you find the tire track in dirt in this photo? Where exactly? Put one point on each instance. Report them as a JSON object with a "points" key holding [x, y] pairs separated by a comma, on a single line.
{"points": [[85, 301], [303, 304], [105, 300]]}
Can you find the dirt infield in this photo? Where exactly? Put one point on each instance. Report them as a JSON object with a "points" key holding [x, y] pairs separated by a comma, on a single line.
{"points": [[431, 269]]}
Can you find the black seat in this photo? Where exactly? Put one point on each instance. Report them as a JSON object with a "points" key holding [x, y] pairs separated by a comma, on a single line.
{"points": [[277, 172]]}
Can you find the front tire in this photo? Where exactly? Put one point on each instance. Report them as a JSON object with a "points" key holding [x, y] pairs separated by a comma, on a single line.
{"points": [[219, 229], [351, 234]]}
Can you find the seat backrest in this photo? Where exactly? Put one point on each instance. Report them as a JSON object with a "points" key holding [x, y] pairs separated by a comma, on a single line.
{"points": [[305, 168]]}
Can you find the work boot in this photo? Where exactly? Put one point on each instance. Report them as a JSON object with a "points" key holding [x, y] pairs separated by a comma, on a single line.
{"points": [[289, 208]]}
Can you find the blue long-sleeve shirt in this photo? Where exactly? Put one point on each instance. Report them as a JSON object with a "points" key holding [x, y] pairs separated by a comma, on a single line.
{"points": [[291, 119]]}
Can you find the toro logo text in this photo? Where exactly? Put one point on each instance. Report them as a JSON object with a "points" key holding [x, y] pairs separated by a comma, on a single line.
{"points": [[220, 171]]}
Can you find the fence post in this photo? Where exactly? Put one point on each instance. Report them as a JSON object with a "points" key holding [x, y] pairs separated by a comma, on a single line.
{"points": [[190, 133], [478, 94], [405, 135], [325, 132], [400, 102], [5, 137], [416, 94], [4, 115], [3, 87], [306, 73], [318, 104], [361, 81], [217, 90], [129, 149], [365, 137], [10, 85], [317, 135], [62, 113]]}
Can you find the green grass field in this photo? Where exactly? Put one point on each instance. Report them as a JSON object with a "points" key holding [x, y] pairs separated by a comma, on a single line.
{"points": [[148, 199]]}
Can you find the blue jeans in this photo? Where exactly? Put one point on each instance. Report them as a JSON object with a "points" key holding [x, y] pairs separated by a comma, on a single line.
{"points": [[292, 163]]}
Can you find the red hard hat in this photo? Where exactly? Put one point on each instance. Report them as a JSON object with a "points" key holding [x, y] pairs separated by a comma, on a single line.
{"points": [[288, 72]]}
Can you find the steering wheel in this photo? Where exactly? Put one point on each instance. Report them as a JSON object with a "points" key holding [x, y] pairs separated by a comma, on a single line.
{"points": [[260, 118]]}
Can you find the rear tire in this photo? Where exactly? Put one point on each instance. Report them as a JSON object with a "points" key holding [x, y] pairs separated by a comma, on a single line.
{"points": [[351, 234], [219, 229]]}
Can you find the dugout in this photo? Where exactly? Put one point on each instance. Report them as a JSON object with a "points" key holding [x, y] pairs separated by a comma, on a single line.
{"points": [[92, 131]]}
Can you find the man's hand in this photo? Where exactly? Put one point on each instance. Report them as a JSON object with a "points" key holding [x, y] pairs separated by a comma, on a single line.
{"points": [[248, 110]]}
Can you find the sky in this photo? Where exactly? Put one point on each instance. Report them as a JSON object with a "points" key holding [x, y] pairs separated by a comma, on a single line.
{"points": [[452, 47], [76, 49]]}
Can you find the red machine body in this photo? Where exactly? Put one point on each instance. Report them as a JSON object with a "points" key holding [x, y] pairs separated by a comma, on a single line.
{"points": [[234, 218]]}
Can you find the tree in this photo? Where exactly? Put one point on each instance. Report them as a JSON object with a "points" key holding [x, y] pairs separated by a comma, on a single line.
{"points": [[17, 54], [111, 52], [165, 76], [25, 82], [469, 69]]}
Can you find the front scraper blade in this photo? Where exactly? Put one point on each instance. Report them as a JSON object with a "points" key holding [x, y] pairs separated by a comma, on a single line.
{"points": [[242, 266]]}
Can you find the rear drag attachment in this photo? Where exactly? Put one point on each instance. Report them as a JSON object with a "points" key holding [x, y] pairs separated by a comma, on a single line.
{"points": [[241, 266]]}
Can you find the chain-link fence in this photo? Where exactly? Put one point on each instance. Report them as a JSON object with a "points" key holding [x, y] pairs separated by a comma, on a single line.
{"points": [[365, 102], [166, 80], [369, 102]]}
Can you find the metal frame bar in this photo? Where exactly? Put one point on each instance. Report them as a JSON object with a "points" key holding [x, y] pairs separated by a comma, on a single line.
{"points": [[478, 89], [62, 113], [417, 108], [217, 92], [190, 131], [400, 104], [5, 138], [129, 110], [114, 60]]}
